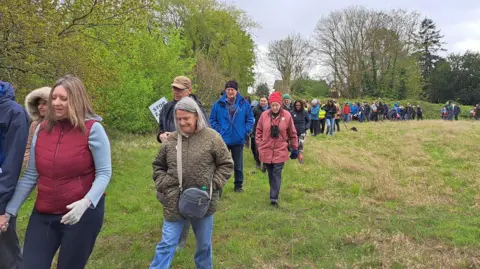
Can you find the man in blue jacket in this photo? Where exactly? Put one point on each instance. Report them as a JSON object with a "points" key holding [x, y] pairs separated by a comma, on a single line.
{"points": [[232, 117], [13, 140]]}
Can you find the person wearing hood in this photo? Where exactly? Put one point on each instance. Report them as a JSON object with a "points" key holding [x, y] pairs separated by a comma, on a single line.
{"points": [[287, 102], [232, 117], [275, 133], [181, 87], [36, 104], [13, 140], [301, 120], [198, 158], [70, 161], [257, 112]]}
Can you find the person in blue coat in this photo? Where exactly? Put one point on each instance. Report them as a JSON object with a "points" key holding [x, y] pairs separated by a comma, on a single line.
{"points": [[14, 125], [232, 117]]}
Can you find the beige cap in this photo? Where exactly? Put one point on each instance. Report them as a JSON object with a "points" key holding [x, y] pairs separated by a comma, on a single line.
{"points": [[182, 82]]}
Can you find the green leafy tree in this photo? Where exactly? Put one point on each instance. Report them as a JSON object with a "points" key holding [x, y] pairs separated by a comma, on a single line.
{"points": [[262, 90]]}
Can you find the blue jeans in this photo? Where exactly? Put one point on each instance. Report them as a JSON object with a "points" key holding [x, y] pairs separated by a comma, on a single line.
{"points": [[346, 118], [171, 231], [330, 125]]}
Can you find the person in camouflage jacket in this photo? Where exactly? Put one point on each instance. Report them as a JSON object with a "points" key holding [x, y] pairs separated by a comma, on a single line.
{"points": [[207, 162]]}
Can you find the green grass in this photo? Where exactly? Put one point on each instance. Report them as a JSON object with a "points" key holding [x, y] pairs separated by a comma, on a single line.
{"points": [[393, 195]]}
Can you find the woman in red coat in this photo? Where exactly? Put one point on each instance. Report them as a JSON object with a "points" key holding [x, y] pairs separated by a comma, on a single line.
{"points": [[275, 129]]}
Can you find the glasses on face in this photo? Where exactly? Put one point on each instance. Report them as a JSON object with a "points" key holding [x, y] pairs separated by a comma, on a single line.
{"points": [[175, 89]]}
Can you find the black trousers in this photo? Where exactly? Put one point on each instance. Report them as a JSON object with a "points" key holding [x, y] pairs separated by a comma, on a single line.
{"points": [[315, 124], [253, 147], [337, 124], [322, 125], [10, 254], [45, 234]]}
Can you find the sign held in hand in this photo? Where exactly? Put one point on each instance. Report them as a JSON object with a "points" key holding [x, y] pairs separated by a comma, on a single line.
{"points": [[156, 107]]}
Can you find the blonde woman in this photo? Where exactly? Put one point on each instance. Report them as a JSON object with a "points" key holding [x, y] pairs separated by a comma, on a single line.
{"points": [[71, 164]]}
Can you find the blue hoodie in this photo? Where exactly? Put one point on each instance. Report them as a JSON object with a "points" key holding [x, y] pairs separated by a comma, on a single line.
{"points": [[14, 124], [233, 129]]}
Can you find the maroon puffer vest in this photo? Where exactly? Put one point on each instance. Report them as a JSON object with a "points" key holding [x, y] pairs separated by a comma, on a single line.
{"points": [[65, 166]]}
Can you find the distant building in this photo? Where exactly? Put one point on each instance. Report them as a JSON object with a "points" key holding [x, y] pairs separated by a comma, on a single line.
{"points": [[281, 86]]}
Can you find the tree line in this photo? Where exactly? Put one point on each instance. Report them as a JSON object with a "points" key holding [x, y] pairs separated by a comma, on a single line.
{"points": [[127, 52], [391, 54]]}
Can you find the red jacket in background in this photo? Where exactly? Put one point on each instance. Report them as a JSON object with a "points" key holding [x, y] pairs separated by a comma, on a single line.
{"points": [[275, 150], [65, 166], [346, 110]]}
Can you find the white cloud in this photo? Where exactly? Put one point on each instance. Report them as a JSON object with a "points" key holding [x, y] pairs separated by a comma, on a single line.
{"points": [[466, 33]]}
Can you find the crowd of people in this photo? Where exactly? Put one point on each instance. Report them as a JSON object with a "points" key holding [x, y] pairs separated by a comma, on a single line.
{"points": [[65, 151]]}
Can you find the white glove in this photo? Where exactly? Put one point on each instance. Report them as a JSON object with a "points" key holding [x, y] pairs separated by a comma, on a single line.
{"points": [[77, 209]]}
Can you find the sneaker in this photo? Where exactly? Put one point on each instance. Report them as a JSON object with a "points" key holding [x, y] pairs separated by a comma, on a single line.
{"points": [[274, 204], [238, 189]]}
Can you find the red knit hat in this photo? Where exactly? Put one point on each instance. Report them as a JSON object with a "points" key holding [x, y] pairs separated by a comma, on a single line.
{"points": [[275, 97]]}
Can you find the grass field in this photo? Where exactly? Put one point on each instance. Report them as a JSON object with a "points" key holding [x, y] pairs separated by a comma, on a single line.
{"points": [[393, 195]]}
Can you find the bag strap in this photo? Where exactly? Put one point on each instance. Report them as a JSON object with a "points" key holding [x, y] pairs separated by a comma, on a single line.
{"points": [[180, 166], [179, 161]]}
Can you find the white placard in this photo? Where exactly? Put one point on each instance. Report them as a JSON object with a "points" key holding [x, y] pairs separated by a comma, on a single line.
{"points": [[156, 107]]}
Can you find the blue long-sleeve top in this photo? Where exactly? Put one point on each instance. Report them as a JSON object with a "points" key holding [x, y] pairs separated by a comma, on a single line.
{"points": [[99, 146], [314, 112]]}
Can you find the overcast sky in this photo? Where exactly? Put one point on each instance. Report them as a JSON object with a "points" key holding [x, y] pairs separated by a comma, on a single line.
{"points": [[459, 21]]}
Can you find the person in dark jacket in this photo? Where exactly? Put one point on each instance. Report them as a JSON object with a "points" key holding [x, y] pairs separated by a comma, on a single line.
{"points": [[232, 117], [419, 113], [385, 111], [380, 110], [14, 124], [181, 86], [456, 111], [301, 120], [331, 110], [287, 102], [257, 112]]}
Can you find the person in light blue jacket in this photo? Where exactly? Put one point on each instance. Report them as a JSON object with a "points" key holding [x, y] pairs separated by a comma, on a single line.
{"points": [[232, 117], [315, 121]]}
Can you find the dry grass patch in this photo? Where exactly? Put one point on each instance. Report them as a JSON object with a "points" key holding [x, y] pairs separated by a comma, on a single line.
{"points": [[401, 251]]}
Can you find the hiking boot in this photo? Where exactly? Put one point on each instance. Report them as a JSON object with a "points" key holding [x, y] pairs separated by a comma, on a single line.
{"points": [[238, 189], [274, 204]]}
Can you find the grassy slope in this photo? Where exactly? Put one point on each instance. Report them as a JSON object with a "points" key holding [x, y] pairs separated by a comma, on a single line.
{"points": [[393, 195]]}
